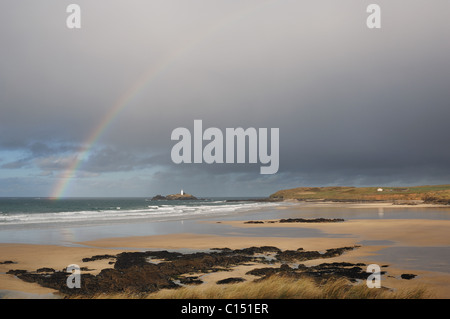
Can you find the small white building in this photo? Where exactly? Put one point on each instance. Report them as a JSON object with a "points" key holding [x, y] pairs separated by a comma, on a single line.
{"points": [[379, 189], [182, 192]]}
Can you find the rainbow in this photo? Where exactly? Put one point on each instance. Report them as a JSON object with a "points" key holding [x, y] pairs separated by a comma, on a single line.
{"points": [[83, 152], [125, 99]]}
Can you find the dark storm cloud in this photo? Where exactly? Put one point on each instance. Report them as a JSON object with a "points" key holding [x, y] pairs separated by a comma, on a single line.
{"points": [[354, 106], [113, 160], [15, 164]]}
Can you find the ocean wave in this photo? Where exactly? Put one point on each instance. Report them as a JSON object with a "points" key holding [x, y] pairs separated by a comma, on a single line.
{"points": [[160, 213]]}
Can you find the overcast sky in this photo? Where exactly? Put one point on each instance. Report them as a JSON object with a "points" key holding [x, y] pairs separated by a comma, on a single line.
{"points": [[355, 106]]}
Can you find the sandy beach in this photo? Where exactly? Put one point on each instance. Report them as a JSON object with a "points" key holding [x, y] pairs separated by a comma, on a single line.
{"points": [[378, 232]]}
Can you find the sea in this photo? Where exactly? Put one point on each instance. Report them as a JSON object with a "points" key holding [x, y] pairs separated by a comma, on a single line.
{"points": [[69, 220], [39, 211]]}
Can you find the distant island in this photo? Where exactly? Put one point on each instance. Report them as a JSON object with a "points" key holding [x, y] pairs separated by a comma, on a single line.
{"points": [[181, 196], [429, 194]]}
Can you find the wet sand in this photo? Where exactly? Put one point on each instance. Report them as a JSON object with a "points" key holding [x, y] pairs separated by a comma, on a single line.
{"points": [[415, 232]]}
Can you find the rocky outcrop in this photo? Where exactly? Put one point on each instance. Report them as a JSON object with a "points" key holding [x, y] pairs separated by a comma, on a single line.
{"points": [[230, 280], [301, 255], [312, 220], [175, 197], [432, 199], [98, 257], [181, 197], [407, 276], [134, 272], [297, 220], [190, 280], [45, 269], [323, 271], [159, 197]]}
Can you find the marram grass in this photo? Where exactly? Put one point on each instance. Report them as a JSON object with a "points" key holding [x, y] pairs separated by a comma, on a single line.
{"points": [[287, 288], [277, 287]]}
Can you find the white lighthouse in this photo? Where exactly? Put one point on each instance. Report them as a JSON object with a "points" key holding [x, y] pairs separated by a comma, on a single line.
{"points": [[182, 192]]}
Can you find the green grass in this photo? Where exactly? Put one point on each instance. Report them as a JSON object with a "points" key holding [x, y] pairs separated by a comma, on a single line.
{"points": [[429, 193]]}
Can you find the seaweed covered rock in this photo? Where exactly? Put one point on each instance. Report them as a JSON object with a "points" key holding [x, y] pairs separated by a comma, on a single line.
{"points": [[134, 272]]}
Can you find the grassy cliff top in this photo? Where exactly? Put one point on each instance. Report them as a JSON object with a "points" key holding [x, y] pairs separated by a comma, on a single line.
{"points": [[427, 193]]}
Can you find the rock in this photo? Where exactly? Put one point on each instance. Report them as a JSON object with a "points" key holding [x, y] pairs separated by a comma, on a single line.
{"points": [[285, 267], [322, 271], [181, 197], [98, 257], [298, 220], [16, 272], [296, 255], [225, 249], [159, 197], [175, 197], [191, 280], [45, 269], [311, 220], [301, 255], [407, 276], [164, 254], [266, 271], [126, 260], [347, 270], [257, 250], [230, 280], [6, 262]]}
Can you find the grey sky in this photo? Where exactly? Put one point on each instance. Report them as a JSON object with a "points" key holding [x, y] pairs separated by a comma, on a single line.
{"points": [[354, 106]]}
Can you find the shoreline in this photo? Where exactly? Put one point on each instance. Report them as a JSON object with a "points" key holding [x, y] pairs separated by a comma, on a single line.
{"points": [[416, 232]]}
